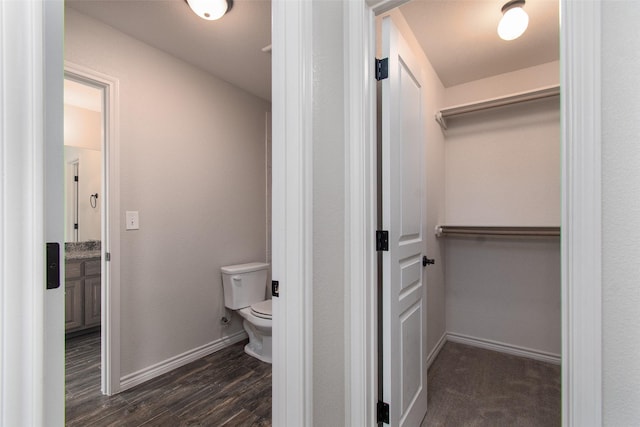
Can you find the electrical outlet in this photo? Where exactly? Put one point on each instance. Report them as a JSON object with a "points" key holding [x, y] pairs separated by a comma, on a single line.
{"points": [[132, 220]]}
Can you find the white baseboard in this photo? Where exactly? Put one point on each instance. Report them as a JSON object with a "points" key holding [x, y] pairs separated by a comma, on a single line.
{"points": [[153, 371], [505, 348], [436, 350]]}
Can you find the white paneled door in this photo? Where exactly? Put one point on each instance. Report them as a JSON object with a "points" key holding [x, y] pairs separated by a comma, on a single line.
{"points": [[403, 206]]}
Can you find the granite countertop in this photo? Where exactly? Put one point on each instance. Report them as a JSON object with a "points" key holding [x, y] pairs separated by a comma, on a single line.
{"points": [[82, 250]]}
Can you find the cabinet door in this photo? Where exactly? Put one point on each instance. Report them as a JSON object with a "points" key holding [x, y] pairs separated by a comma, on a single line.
{"points": [[92, 301], [73, 269], [73, 304], [92, 267]]}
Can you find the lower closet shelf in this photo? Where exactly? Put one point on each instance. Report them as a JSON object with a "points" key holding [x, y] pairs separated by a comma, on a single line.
{"points": [[493, 231]]}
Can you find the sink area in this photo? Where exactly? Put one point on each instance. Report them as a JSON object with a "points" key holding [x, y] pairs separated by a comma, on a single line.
{"points": [[82, 250]]}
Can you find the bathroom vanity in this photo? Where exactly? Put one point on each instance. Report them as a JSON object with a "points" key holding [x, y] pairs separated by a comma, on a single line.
{"points": [[82, 286]]}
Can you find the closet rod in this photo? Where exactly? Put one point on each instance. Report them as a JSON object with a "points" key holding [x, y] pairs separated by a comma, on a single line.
{"points": [[457, 230], [532, 95]]}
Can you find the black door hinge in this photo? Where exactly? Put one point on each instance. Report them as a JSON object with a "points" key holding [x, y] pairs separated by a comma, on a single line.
{"points": [[382, 240], [427, 261], [75, 178], [53, 265], [382, 68], [275, 288], [383, 412]]}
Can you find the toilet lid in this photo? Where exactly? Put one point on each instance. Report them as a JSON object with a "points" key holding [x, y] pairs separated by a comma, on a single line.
{"points": [[262, 309]]}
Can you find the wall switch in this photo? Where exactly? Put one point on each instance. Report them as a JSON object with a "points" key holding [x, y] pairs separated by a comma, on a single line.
{"points": [[132, 220]]}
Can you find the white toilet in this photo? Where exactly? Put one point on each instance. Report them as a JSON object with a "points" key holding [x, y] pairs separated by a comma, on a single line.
{"points": [[245, 287]]}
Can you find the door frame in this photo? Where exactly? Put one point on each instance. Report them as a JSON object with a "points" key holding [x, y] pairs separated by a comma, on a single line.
{"points": [[292, 212], [110, 221], [31, 379], [581, 283], [581, 232]]}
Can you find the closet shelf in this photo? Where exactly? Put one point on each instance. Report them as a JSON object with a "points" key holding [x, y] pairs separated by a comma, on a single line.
{"points": [[516, 98], [490, 231]]}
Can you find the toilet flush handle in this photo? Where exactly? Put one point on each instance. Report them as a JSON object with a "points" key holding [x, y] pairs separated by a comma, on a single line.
{"points": [[236, 280]]}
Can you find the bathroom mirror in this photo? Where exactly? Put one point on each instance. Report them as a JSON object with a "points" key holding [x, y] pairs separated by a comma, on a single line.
{"points": [[83, 161]]}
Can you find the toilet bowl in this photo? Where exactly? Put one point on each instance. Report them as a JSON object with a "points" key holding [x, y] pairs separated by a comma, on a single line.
{"points": [[245, 287], [257, 322]]}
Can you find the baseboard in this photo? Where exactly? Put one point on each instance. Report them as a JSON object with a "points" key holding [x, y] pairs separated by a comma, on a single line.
{"points": [[153, 371], [436, 350], [505, 348]]}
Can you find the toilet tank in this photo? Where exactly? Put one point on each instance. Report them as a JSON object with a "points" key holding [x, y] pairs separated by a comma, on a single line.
{"points": [[244, 284]]}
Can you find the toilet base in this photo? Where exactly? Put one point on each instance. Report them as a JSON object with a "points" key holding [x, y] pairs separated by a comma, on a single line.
{"points": [[259, 345], [250, 352]]}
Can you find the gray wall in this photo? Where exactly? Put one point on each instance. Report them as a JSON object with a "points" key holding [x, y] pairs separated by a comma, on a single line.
{"points": [[492, 169], [192, 162], [503, 169], [621, 212]]}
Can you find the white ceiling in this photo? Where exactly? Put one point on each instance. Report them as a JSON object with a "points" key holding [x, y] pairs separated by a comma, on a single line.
{"points": [[229, 48], [458, 36]]}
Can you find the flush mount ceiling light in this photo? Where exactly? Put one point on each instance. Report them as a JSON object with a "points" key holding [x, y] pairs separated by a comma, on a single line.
{"points": [[514, 21], [208, 9]]}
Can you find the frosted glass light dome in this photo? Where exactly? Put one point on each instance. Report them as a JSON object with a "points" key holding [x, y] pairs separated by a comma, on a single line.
{"points": [[514, 22], [208, 9]]}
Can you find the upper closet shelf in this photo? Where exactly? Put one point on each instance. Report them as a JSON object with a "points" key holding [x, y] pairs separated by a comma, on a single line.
{"points": [[516, 98]]}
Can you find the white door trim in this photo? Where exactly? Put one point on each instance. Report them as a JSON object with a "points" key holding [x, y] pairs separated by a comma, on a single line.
{"points": [[581, 280], [292, 219], [580, 34], [361, 299], [22, 218], [110, 222]]}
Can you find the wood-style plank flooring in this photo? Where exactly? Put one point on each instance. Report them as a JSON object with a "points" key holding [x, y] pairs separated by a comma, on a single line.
{"points": [[227, 388], [468, 386]]}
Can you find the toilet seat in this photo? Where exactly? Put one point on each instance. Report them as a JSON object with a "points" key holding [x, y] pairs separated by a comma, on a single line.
{"points": [[262, 309]]}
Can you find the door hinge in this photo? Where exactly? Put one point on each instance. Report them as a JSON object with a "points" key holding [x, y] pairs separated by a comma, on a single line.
{"points": [[275, 288], [75, 226], [107, 256], [53, 265], [382, 240], [382, 68], [383, 412], [75, 178], [427, 261]]}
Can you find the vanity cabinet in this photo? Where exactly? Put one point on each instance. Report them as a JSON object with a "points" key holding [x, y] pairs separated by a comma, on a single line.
{"points": [[82, 294]]}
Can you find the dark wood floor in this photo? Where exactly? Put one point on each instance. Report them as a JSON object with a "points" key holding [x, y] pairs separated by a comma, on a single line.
{"points": [[227, 388], [468, 386]]}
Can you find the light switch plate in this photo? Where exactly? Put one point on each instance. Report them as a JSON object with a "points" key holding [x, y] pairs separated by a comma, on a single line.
{"points": [[132, 220]]}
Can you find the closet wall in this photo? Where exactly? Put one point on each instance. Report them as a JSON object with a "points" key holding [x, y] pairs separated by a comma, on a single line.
{"points": [[497, 167], [502, 168]]}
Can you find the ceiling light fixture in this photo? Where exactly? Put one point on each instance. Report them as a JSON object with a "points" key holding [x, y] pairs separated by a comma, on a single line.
{"points": [[514, 21], [208, 9]]}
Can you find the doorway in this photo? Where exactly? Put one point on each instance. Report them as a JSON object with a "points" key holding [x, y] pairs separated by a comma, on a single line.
{"points": [[84, 119], [182, 224], [91, 220], [476, 302]]}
